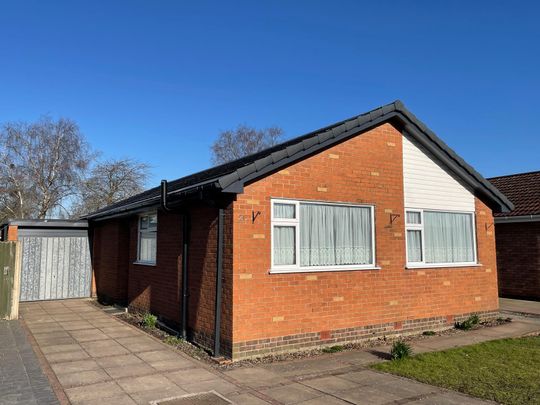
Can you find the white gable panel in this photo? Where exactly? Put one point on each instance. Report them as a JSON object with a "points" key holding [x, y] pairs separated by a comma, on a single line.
{"points": [[427, 185]]}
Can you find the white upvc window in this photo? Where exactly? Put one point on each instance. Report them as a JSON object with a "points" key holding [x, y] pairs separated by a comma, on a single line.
{"points": [[147, 240], [440, 238], [320, 236]]}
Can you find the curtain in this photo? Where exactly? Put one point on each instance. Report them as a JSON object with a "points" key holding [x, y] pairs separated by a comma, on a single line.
{"points": [[284, 211], [147, 247], [448, 237], [414, 246], [284, 245], [334, 235]]}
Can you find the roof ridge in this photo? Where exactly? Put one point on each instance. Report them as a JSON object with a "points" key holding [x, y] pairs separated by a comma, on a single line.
{"points": [[231, 177], [514, 174]]}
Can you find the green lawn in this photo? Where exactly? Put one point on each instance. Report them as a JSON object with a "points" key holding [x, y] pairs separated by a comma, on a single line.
{"points": [[505, 371]]}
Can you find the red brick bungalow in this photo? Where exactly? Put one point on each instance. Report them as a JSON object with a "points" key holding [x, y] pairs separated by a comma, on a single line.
{"points": [[518, 236], [368, 227]]}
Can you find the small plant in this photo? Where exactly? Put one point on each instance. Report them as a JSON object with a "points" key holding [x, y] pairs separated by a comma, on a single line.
{"points": [[333, 349], [173, 340], [468, 323], [429, 333], [400, 350], [149, 321]]}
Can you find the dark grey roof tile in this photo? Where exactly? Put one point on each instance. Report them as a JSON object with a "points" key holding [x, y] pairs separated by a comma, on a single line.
{"points": [[234, 173]]}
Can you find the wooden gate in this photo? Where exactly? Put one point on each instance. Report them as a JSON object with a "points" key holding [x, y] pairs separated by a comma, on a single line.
{"points": [[10, 270]]}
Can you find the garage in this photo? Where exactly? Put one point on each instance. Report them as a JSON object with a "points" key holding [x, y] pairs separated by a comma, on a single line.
{"points": [[55, 258]]}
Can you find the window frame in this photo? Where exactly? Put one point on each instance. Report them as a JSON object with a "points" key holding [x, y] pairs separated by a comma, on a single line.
{"points": [[420, 227], [297, 268], [146, 231]]}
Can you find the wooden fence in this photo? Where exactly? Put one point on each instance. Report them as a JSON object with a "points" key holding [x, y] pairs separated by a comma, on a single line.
{"points": [[10, 278]]}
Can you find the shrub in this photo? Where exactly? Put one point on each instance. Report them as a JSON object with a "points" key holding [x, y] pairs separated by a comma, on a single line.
{"points": [[400, 350], [428, 333], [468, 323], [333, 349], [149, 321]]}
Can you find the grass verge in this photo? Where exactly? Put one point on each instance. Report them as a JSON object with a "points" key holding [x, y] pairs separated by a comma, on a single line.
{"points": [[506, 371]]}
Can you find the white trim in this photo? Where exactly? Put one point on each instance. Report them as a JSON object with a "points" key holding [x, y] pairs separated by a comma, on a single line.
{"points": [[437, 266], [138, 261], [323, 269], [297, 268], [420, 227]]}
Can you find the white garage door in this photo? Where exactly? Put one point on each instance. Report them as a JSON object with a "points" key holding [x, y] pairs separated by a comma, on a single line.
{"points": [[55, 265]]}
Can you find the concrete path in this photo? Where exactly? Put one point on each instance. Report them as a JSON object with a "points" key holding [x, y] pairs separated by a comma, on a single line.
{"points": [[520, 306], [99, 359], [21, 378]]}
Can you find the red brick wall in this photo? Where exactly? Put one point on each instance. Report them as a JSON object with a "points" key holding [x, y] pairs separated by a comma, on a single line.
{"points": [[12, 233], [157, 289], [365, 169], [109, 259], [518, 260]]}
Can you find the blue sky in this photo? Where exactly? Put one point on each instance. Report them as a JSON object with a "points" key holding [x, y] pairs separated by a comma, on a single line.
{"points": [[158, 80]]}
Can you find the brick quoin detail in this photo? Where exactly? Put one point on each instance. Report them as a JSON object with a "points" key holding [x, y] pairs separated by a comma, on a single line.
{"points": [[369, 170], [518, 260]]}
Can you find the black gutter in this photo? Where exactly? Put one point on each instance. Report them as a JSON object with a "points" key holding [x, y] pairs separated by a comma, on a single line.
{"points": [[185, 250], [219, 275]]}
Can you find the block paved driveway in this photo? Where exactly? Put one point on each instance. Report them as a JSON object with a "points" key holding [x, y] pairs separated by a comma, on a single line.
{"points": [[21, 378], [98, 359]]}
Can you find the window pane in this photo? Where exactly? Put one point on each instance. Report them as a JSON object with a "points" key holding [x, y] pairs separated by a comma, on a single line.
{"points": [[414, 217], [144, 222], [335, 235], [147, 247], [152, 221], [414, 246], [284, 245], [284, 211], [448, 237]]}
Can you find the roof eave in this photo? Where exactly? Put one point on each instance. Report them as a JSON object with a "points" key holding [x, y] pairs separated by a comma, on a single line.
{"points": [[235, 182]]}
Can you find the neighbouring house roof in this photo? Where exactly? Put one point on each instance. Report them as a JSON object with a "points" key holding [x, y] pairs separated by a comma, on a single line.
{"points": [[231, 177], [523, 189]]}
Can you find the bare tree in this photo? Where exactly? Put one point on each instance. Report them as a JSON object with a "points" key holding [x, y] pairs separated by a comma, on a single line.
{"points": [[110, 182], [41, 164], [242, 141]]}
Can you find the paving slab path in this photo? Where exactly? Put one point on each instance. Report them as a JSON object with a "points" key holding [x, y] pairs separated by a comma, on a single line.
{"points": [[98, 359], [520, 306]]}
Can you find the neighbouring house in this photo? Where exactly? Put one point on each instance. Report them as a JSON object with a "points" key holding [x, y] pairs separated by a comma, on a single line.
{"points": [[518, 236], [368, 227]]}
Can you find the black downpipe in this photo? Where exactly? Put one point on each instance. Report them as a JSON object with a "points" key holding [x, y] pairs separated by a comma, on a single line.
{"points": [[164, 203], [219, 275], [184, 292], [185, 249]]}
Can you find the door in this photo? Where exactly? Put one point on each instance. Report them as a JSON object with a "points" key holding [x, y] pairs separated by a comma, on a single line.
{"points": [[55, 265]]}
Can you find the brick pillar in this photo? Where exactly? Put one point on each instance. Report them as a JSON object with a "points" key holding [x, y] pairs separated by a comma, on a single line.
{"points": [[12, 233]]}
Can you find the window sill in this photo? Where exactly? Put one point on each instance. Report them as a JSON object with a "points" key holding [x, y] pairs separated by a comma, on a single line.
{"points": [[321, 270], [150, 264], [439, 266]]}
